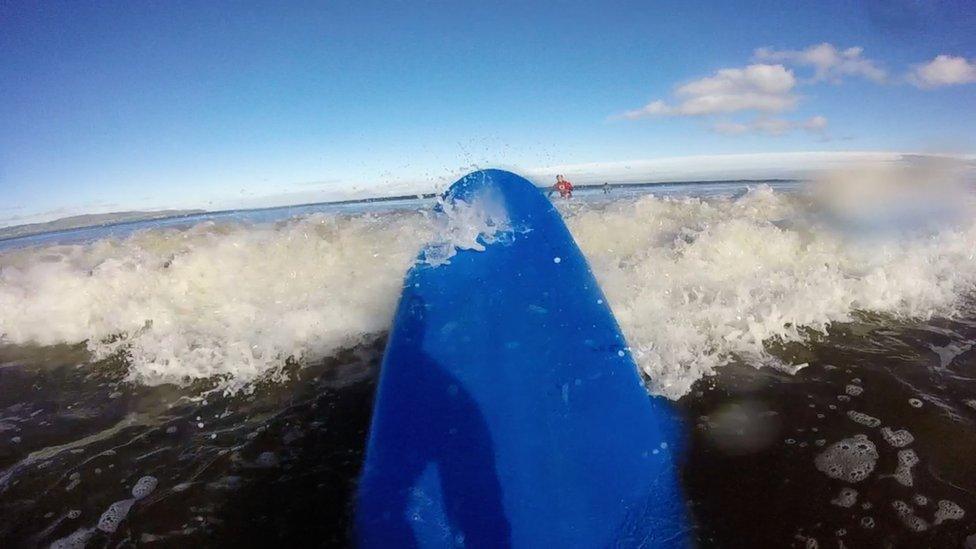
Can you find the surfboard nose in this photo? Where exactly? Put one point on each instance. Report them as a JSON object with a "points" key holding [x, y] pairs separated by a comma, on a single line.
{"points": [[491, 179], [521, 199]]}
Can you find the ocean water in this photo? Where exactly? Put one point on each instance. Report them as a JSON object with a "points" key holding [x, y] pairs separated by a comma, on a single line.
{"points": [[208, 380]]}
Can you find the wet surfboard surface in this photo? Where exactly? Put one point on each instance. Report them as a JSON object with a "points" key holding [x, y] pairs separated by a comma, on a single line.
{"points": [[509, 411]]}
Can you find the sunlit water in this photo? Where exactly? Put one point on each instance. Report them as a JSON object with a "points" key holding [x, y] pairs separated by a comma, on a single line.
{"points": [[221, 367]]}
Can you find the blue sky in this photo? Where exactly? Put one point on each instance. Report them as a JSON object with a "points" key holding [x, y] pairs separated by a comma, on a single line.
{"points": [[167, 104]]}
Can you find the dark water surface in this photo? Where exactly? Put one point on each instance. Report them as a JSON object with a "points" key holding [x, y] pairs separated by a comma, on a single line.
{"points": [[275, 466], [279, 466]]}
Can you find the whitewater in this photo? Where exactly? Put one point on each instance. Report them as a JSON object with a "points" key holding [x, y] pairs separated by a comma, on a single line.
{"points": [[697, 277]]}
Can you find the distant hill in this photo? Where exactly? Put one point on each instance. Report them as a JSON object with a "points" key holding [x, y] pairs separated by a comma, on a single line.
{"points": [[90, 220]]}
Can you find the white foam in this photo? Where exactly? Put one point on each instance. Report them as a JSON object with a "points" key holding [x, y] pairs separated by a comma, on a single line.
{"points": [[114, 515], [898, 439], [863, 419], [948, 510], [216, 300], [461, 225], [846, 498], [903, 472], [144, 486], [693, 282], [908, 517], [850, 460], [76, 540]]}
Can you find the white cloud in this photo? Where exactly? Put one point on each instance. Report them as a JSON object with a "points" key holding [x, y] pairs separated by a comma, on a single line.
{"points": [[944, 70], [651, 109], [731, 128], [815, 123], [772, 126], [829, 63], [759, 87]]}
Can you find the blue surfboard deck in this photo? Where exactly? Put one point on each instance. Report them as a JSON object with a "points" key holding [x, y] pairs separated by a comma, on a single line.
{"points": [[509, 411]]}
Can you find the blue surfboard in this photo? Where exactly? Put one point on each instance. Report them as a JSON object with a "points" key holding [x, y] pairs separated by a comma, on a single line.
{"points": [[509, 412]]}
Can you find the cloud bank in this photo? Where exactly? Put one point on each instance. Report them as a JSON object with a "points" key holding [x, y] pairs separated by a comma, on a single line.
{"points": [[829, 63], [944, 70], [759, 87], [768, 87]]}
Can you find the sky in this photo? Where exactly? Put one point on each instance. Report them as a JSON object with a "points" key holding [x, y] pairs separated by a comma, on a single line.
{"points": [[114, 106]]}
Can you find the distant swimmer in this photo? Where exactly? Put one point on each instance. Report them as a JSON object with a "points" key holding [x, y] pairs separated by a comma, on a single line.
{"points": [[564, 187], [606, 188]]}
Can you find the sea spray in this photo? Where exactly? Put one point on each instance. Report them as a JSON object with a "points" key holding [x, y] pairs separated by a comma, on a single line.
{"points": [[231, 300], [694, 282]]}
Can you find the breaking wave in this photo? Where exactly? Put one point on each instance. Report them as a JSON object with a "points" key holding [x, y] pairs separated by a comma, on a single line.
{"points": [[694, 282]]}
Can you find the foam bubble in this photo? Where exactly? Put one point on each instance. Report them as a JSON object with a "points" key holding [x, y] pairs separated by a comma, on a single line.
{"points": [[144, 486], [850, 460], [114, 515], [846, 498], [907, 516], [854, 390], [76, 540], [903, 472], [915, 403], [863, 419], [948, 510], [898, 439], [75, 480]]}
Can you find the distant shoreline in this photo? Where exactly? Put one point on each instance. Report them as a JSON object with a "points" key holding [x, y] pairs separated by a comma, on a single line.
{"points": [[88, 221]]}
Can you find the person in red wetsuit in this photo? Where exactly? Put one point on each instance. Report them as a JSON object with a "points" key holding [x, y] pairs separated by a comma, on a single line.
{"points": [[564, 187]]}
